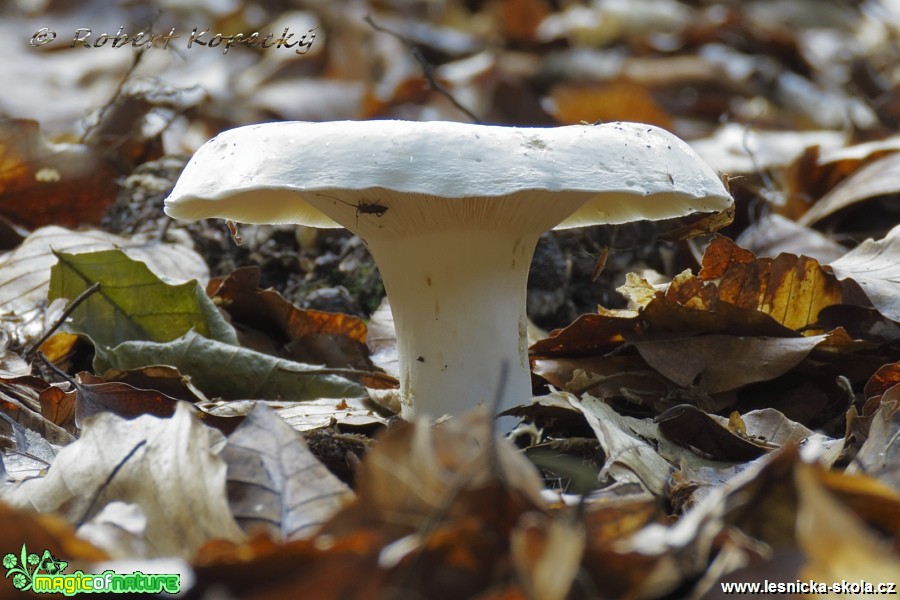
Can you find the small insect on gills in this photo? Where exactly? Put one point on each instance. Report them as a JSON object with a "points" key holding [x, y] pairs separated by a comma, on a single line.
{"points": [[363, 208]]}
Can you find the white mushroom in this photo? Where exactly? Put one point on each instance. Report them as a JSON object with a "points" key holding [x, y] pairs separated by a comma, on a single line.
{"points": [[451, 213]]}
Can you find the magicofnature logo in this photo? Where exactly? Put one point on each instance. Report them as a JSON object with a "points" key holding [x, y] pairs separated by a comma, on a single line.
{"points": [[23, 568], [43, 574]]}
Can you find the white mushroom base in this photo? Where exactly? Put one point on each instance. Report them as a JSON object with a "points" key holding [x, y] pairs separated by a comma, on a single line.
{"points": [[458, 299]]}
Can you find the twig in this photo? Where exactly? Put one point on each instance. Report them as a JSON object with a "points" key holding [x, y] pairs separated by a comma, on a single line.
{"points": [[59, 372], [351, 372], [427, 68], [108, 481], [62, 318], [115, 97]]}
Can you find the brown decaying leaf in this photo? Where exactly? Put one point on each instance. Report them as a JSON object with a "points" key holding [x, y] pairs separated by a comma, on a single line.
{"points": [[274, 481], [836, 540], [546, 553], [791, 289], [519, 19], [690, 427], [882, 380], [58, 407], [735, 294], [875, 266], [94, 395], [878, 178], [720, 363], [812, 179], [435, 508], [164, 466], [309, 336], [43, 183], [43, 532]]}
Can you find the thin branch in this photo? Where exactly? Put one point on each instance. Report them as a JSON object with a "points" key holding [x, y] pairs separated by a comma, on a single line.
{"points": [[59, 372], [109, 478], [115, 97], [62, 318], [348, 372], [427, 68]]}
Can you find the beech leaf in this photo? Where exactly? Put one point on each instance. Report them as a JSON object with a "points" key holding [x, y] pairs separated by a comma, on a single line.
{"points": [[132, 303], [718, 363], [165, 466], [275, 482], [875, 266], [230, 372]]}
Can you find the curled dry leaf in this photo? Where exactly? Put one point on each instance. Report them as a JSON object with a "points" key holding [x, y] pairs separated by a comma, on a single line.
{"points": [[231, 372], [28, 441], [629, 459], [877, 179], [875, 266], [880, 453], [690, 427]]}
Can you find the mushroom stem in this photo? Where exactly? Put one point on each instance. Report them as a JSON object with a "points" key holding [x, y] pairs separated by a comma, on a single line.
{"points": [[458, 299]]}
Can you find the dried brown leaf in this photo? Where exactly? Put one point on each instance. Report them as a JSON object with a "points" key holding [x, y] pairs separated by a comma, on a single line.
{"points": [[836, 541], [879, 178], [790, 289], [690, 427], [165, 466], [875, 266], [43, 183], [720, 363], [275, 482], [271, 324]]}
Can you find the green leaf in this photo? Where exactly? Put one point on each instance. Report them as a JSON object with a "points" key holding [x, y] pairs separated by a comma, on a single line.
{"points": [[231, 372], [132, 303]]}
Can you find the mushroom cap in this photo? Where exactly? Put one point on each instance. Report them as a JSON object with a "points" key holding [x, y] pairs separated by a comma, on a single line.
{"points": [[623, 171]]}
